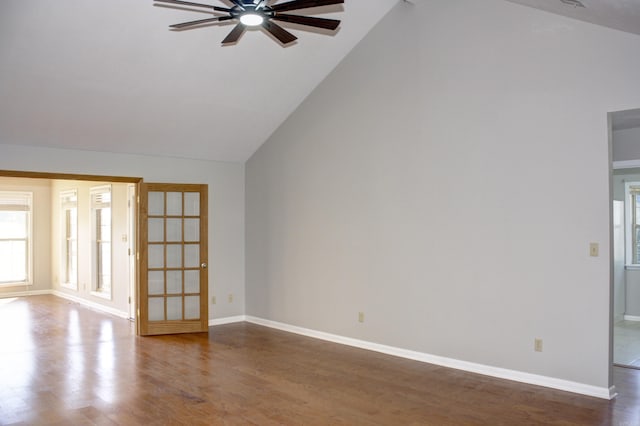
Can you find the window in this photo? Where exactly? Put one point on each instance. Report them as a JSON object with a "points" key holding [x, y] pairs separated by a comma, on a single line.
{"points": [[69, 237], [632, 215], [101, 240], [15, 238]]}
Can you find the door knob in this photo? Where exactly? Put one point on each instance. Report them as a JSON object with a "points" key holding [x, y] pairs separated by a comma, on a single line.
{"points": [[204, 265]]}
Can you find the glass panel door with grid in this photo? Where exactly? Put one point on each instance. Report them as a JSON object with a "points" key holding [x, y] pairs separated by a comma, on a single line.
{"points": [[173, 259]]}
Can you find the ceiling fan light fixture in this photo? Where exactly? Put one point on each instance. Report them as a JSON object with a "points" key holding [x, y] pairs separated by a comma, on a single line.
{"points": [[252, 19]]}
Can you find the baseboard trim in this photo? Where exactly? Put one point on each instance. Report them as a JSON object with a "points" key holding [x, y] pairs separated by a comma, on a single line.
{"points": [[227, 320], [501, 373], [92, 305], [632, 318], [25, 293]]}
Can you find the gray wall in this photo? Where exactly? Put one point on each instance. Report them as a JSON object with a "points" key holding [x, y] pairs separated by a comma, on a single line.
{"points": [[425, 184], [226, 202], [626, 144]]}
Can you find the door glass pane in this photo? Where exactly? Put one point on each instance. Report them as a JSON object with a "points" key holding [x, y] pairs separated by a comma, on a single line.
{"points": [[156, 282], [192, 204], [191, 255], [174, 256], [174, 203], [156, 256], [174, 282], [174, 229], [156, 203], [156, 309], [192, 230], [174, 308], [192, 282], [192, 307], [156, 230]]}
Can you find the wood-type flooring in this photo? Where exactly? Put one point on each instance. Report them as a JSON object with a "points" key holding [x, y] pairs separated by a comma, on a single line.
{"points": [[64, 364]]}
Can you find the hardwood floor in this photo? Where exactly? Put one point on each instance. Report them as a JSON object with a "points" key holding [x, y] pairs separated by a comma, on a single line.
{"points": [[61, 363]]}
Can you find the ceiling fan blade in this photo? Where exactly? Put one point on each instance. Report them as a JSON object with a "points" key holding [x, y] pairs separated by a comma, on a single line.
{"points": [[235, 34], [303, 4], [239, 3], [188, 3], [327, 24], [278, 32], [201, 21]]}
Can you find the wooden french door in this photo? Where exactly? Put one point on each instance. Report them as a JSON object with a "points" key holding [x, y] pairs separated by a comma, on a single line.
{"points": [[173, 259]]}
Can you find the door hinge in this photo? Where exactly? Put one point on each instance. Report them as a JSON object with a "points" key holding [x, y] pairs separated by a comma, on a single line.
{"points": [[138, 256], [129, 299], [129, 251]]}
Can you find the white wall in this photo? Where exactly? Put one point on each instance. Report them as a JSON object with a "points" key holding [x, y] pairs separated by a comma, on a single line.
{"points": [[226, 202], [626, 144], [41, 189], [425, 183]]}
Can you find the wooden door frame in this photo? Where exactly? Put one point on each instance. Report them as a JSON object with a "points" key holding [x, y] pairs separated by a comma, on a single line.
{"points": [[137, 181]]}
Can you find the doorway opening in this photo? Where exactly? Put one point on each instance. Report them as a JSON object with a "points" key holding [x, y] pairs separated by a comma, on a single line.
{"points": [[625, 264], [82, 244]]}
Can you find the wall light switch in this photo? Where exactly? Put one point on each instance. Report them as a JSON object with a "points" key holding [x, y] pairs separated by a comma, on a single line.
{"points": [[360, 316], [594, 249]]}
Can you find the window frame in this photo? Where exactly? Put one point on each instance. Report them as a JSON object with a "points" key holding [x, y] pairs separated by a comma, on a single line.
{"points": [[68, 202], [98, 287], [5, 198]]}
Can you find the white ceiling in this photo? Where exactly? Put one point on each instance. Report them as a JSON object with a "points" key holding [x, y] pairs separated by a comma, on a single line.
{"points": [[622, 15], [110, 76]]}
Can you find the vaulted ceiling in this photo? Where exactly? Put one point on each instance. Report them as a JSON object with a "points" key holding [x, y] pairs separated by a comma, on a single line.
{"points": [[111, 76]]}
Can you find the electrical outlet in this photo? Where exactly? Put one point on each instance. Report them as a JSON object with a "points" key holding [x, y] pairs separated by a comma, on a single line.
{"points": [[213, 300], [537, 345], [360, 316], [230, 298]]}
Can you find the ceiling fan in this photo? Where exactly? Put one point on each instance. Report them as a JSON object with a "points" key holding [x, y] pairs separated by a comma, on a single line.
{"points": [[261, 13]]}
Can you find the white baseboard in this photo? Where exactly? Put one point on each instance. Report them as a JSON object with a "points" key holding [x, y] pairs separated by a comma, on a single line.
{"points": [[228, 320], [631, 318], [92, 305], [501, 373], [25, 293]]}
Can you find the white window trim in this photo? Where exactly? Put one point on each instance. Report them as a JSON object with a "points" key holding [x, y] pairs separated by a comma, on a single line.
{"points": [[65, 194], [104, 294], [29, 280]]}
